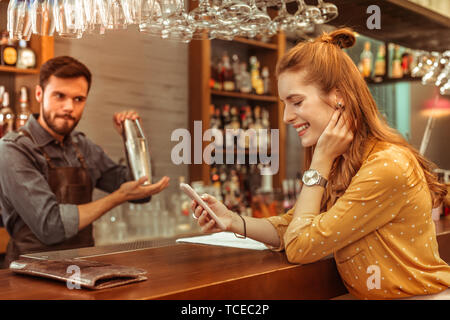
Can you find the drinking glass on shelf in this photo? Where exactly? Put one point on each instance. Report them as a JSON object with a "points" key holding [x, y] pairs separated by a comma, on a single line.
{"points": [[443, 77], [69, 18], [445, 89], [431, 75], [328, 11], [42, 17]]}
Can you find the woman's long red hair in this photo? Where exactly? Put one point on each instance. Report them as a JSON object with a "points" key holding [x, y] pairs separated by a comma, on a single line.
{"points": [[329, 67]]}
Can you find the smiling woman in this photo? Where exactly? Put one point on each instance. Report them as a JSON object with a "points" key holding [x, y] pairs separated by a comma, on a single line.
{"points": [[368, 213], [367, 195]]}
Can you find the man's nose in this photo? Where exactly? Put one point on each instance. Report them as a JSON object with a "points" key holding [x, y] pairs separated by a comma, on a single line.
{"points": [[68, 105]]}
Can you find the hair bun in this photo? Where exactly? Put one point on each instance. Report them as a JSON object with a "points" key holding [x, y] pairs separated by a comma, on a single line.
{"points": [[344, 38]]}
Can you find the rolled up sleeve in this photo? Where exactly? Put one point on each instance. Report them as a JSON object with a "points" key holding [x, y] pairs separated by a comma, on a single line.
{"points": [[373, 198], [70, 218], [26, 192]]}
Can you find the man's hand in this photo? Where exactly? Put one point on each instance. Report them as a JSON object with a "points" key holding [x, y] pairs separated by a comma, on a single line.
{"points": [[134, 190], [119, 118]]}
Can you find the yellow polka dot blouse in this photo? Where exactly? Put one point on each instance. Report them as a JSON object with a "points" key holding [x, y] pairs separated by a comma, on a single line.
{"points": [[380, 231]]}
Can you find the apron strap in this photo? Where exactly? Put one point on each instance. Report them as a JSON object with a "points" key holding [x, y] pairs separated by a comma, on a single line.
{"points": [[79, 154], [46, 156]]}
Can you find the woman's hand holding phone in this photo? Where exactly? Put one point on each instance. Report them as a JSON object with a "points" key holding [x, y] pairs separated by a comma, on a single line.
{"points": [[208, 224]]}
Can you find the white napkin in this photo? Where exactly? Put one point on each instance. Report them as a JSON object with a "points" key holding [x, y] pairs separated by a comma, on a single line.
{"points": [[226, 239]]}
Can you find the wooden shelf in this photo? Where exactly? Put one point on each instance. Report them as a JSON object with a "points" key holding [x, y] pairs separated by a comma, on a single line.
{"points": [[393, 80], [402, 22], [247, 96], [17, 70], [257, 43]]}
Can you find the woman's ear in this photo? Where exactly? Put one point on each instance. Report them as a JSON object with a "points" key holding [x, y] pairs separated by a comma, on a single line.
{"points": [[338, 98]]}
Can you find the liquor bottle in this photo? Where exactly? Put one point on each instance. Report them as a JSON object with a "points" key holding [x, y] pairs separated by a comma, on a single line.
{"points": [[215, 182], [380, 63], [6, 115], [245, 79], [252, 141], [258, 125], [24, 113], [266, 80], [26, 58], [3, 44], [406, 63], [235, 123], [228, 83], [214, 78], [366, 60], [397, 71], [220, 75], [235, 66], [257, 81], [9, 54]]}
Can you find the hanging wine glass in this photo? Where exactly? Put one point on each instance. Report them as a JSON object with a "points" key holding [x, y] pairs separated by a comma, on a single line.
{"points": [[328, 12], [301, 20], [311, 13], [256, 21], [270, 29], [19, 19], [203, 20], [69, 18], [228, 16], [116, 18], [42, 19], [284, 20]]}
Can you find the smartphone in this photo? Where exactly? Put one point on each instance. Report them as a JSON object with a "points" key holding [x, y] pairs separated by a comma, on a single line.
{"points": [[194, 196]]}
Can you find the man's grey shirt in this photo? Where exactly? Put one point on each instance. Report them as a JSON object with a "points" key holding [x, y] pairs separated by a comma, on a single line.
{"points": [[25, 195]]}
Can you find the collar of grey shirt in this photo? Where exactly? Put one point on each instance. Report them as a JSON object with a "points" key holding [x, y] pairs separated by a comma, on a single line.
{"points": [[39, 134]]}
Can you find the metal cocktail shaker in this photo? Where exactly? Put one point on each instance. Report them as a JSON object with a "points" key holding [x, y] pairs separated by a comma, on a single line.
{"points": [[138, 153]]}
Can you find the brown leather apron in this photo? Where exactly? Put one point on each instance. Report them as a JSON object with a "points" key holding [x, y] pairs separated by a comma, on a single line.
{"points": [[71, 185]]}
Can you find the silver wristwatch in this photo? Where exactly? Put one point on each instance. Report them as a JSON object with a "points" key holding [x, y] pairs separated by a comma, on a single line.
{"points": [[312, 177]]}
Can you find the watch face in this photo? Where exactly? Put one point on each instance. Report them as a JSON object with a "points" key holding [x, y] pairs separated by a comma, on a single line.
{"points": [[311, 177]]}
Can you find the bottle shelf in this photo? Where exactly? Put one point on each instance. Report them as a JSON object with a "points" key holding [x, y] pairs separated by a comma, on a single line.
{"points": [[386, 80], [15, 70], [257, 43], [247, 96]]}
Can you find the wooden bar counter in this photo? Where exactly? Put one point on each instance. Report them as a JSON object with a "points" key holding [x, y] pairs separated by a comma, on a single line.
{"points": [[194, 271]]}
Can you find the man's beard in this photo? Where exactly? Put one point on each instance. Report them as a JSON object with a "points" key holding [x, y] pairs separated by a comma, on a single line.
{"points": [[63, 131]]}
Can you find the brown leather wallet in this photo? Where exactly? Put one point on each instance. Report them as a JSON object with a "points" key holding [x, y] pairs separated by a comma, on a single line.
{"points": [[80, 273]]}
